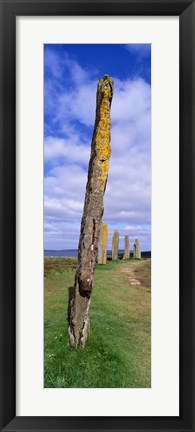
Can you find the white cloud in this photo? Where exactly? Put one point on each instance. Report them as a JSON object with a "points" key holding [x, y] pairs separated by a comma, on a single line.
{"points": [[78, 104], [78, 74], [66, 149], [142, 49], [52, 63], [131, 100], [61, 235]]}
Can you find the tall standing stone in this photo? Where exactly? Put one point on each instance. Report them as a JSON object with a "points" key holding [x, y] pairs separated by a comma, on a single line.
{"points": [[115, 243], [102, 244], [136, 249], [127, 247], [92, 216]]}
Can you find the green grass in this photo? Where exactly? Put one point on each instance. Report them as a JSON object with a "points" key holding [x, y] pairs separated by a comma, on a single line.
{"points": [[118, 350]]}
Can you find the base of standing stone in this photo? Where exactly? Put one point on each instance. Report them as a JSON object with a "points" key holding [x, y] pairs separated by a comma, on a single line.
{"points": [[79, 324]]}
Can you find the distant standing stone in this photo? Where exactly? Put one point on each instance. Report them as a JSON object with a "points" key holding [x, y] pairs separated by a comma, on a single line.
{"points": [[102, 244], [127, 247], [136, 249], [115, 243]]}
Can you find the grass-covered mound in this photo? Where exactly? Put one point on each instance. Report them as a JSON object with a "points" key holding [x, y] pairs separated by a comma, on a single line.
{"points": [[118, 351]]}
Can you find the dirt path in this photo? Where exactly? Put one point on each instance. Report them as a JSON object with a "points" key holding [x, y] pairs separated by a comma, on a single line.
{"points": [[137, 272]]}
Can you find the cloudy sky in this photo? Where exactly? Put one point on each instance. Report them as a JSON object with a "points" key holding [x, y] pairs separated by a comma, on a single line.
{"points": [[71, 73]]}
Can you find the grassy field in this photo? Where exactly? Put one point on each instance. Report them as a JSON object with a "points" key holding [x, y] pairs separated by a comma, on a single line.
{"points": [[118, 351]]}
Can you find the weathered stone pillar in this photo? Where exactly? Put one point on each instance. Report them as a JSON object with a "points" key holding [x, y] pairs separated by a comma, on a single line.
{"points": [[136, 249], [127, 247], [102, 244], [115, 243], [92, 216]]}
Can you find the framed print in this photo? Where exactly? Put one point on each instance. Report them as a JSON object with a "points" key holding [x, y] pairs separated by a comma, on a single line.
{"points": [[135, 368]]}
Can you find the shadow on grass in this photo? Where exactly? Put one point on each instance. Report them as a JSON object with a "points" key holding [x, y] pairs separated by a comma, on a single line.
{"points": [[70, 295]]}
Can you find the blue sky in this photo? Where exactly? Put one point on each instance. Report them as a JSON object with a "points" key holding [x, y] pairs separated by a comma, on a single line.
{"points": [[71, 73]]}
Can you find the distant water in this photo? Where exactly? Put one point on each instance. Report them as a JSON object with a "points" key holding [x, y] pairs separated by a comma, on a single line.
{"points": [[67, 252], [74, 253], [71, 252]]}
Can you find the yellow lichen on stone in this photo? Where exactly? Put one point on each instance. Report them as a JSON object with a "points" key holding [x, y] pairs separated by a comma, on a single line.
{"points": [[104, 241], [103, 135], [102, 244]]}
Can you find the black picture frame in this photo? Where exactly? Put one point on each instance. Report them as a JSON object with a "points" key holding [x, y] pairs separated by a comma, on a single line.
{"points": [[185, 9]]}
